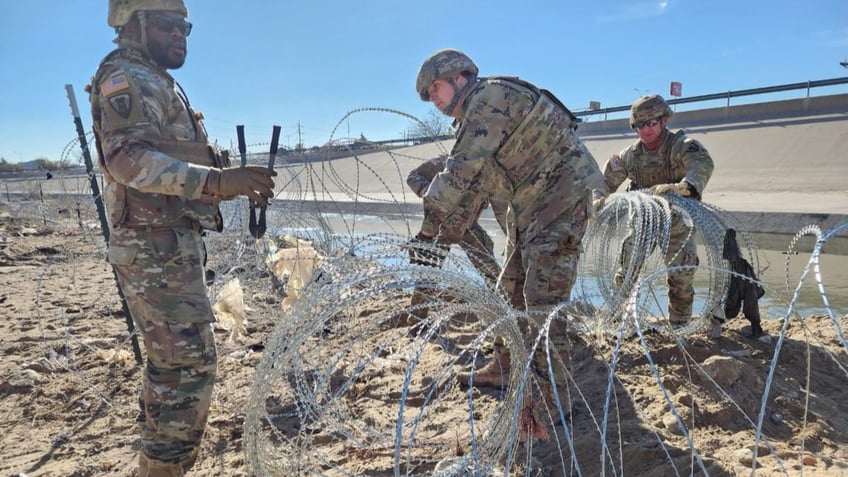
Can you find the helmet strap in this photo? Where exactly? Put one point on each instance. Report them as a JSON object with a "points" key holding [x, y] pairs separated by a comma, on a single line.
{"points": [[459, 93], [142, 24]]}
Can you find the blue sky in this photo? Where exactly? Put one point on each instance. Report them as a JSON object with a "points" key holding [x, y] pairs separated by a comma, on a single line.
{"points": [[309, 63]]}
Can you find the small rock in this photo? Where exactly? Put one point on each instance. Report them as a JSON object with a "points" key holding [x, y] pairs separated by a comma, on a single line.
{"points": [[765, 339], [724, 370], [809, 460], [685, 399], [776, 418], [742, 353], [40, 365], [34, 376], [744, 456], [671, 424]]}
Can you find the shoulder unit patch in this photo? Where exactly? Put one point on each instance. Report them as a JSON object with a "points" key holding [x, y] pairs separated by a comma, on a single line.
{"points": [[122, 104]]}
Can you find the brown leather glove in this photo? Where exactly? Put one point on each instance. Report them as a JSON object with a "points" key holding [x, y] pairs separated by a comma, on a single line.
{"points": [[681, 188], [252, 181]]}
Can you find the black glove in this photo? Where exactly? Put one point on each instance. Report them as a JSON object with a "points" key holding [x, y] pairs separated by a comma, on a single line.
{"points": [[426, 251]]}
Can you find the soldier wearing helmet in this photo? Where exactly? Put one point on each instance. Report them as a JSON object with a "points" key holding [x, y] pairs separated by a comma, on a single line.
{"points": [[163, 184], [517, 146], [649, 107], [446, 65], [663, 162]]}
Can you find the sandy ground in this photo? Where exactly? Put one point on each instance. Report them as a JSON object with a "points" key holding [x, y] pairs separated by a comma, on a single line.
{"points": [[68, 383]]}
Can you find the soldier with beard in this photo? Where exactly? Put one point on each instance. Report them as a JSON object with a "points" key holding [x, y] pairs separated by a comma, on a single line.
{"points": [[164, 182]]}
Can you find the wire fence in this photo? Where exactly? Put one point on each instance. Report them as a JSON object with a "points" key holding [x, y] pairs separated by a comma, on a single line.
{"points": [[355, 380]]}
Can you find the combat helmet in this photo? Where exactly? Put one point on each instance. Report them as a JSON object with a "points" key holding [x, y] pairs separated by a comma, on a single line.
{"points": [[648, 107], [120, 11], [443, 64]]}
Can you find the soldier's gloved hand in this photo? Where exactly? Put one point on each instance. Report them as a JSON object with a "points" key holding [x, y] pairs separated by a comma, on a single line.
{"points": [[681, 188], [252, 181], [426, 251]]}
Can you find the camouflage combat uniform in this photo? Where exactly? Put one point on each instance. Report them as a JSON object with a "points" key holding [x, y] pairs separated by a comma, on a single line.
{"points": [[678, 158], [155, 158], [476, 243], [517, 146]]}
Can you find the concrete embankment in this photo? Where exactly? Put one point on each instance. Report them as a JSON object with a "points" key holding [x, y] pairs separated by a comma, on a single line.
{"points": [[780, 166]]}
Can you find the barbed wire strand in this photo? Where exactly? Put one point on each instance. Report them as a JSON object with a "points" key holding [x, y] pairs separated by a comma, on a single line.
{"points": [[333, 351]]}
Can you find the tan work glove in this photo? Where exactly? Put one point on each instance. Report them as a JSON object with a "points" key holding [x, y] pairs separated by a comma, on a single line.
{"points": [[252, 181], [681, 188]]}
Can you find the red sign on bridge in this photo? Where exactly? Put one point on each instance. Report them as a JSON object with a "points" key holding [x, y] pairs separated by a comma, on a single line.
{"points": [[676, 88]]}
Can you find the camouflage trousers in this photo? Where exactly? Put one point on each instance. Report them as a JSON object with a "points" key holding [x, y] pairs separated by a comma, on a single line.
{"points": [[162, 276], [682, 251], [481, 252], [539, 275]]}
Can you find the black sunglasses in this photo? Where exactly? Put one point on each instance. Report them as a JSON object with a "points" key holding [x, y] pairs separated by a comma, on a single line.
{"points": [[166, 24], [650, 123]]}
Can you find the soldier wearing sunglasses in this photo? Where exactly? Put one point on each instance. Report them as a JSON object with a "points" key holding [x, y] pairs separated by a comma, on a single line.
{"points": [[164, 182], [664, 162]]}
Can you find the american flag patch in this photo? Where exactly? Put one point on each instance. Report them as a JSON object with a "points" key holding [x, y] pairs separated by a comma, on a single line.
{"points": [[113, 84]]}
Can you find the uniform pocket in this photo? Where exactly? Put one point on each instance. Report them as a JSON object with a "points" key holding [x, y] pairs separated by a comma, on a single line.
{"points": [[164, 243]]}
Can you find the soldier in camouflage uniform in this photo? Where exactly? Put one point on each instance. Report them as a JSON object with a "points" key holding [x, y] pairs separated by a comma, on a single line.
{"points": [[516, 146], [164, 182], [666, 163]]}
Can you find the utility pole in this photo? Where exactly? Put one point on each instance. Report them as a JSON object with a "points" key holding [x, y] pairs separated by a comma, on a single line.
{"points": [[299, 138]]}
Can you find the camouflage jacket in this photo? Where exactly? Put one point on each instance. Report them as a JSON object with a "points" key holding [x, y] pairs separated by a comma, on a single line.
{"points": [[516, 146], [153, 150], [419, 178], [678, 158]]}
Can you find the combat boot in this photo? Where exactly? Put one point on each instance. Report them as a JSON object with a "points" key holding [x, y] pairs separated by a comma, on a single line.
{"points": [[189, 461], [148, 467], [678, 319], [495, 374]]}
